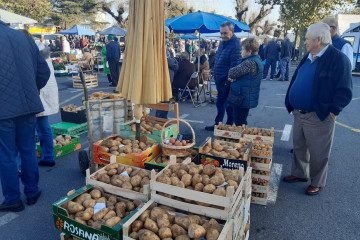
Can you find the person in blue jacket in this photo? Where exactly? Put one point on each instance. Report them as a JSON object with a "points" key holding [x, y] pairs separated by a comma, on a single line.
{"points": [[227, 56], [320, 89], [113, 55], [245, 81], [23, 72]]}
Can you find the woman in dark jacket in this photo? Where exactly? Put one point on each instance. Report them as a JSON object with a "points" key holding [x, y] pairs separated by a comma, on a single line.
{"points": [[245, 81], [183, 74], [212, 58]]}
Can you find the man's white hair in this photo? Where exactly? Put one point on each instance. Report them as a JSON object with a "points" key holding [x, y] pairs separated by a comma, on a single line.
{"points": [[320, 30]]}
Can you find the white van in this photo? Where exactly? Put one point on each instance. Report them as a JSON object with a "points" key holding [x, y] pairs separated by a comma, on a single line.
{"points": [[353, 36]]}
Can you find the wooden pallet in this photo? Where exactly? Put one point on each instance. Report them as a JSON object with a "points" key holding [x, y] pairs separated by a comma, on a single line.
{"points": [[226, 204], [226, 233], [91, 80]]}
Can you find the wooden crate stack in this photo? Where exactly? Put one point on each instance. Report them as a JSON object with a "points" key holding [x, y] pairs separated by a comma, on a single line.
{"points": [[91, 80], [228, 134]]}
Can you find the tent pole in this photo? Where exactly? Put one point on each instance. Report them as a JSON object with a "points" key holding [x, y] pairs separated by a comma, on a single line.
{"points": [[198, 82]]}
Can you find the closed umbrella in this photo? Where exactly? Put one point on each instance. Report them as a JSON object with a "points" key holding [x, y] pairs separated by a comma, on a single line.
{"points": [[144, 77], [187, 36], [77, 30], [114, 30], [13, 18]]}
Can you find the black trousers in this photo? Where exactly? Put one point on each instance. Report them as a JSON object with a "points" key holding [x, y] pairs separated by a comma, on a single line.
{"points": [[114, 71], [240, 115]]}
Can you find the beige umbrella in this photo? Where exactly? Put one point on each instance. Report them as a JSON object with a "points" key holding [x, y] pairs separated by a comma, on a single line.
{"points": [[144, 77]]}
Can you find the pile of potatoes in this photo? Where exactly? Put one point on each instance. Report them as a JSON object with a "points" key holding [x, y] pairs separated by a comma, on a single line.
{"points": [[72, 108], [234, 151], [230, 128], [259, 195], [136, 180], [259, 132], [261, 183], [261, 160], [146, 127], [164, 159], [62, 140], [81, 209], [158, 223], [258, 145], [208, 179], [265, 173], [120, 146]]}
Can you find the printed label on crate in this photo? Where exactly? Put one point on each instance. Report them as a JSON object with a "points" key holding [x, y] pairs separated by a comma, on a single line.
{"points": [[260, 178], [265, 139], [227, 134], [261, 166], [231, 164], [261, 154], [259, 188]]}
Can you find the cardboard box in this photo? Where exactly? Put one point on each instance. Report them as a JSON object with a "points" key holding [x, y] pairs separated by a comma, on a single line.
{"points": [[69, 226], [73, 117], [62, 151], [132, 159]]}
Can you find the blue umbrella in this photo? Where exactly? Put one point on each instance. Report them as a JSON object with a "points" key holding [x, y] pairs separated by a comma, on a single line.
{"points": [[202, 22], [187, 36], [77, 30], [114, 30]]}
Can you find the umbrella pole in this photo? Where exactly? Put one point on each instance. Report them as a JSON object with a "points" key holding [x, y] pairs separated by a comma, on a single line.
{"points": [[138, 114], [198, 82]]}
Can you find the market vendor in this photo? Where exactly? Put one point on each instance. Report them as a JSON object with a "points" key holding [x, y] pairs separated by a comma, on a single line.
{"points": [[87, 59]]}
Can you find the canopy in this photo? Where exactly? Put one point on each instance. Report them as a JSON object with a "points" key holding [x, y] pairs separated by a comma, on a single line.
{"points": [[77, 30], [187, 36], [217, 35], [202, 22], [144, 77], [12, 18], [114, 30]]}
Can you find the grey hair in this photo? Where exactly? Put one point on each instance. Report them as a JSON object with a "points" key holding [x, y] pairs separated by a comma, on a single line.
{"points": [[331, 21], [320, 30], [45, 52], [167, 30], [184, 55], [228, 24]]}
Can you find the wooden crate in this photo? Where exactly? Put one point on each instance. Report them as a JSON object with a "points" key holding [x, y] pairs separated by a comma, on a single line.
{"points": [[227, 134], [259, 200], [265, 139], [226, 233], [91, 80], [122, 192], [266, 166], [228, 203]]}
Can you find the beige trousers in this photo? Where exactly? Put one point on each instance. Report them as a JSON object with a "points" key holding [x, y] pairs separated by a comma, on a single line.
{"points": [[312, 139]]}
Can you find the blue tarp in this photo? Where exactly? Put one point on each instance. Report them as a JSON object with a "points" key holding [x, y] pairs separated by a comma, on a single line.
{"points": [[77, 30], [114, 30], [187, 36], [202, 22]]}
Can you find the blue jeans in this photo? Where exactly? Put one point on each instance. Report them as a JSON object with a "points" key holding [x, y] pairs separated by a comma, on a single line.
{"points": [[240, 115], [44, 133], [285, 65], [18, 134], [272, 63], [222, 105]]}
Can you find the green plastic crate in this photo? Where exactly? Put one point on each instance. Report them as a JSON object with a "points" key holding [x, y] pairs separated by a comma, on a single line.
{"points": [[61, 151], [69, 128]]}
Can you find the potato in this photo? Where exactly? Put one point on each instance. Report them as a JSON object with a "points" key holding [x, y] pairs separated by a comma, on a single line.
{"points": [[212, 234], [220, 191], [232, 183], [100, 214], [97, 224], [186, 179], [147, 235], [116, 153], [80, 199], [182, 221], [177, 230], [95, 194], [144, 173], [129, 206], [89, 203], [193, 170], [115, 180], [163, 221], [174, 180], [112, 172], [234, 177], [174, 168], [144, 215], [199, 187], [210, 188], [196, 231], [195, 219], [112, 199], [196, 179], [78, 219], [112, 221], [164, 179], [104, 178], [71, 192], [109, 215], [85, 215], [181, 184], [74, 207], [180, 173], [124, 178], [120, 208], [182, 237], [101, 200], [134, 235], [167, 172], [151, 225], [165, 232], [144, 181], [137, 225], [217, 180], [214, 224], [156, 212], [209, 169], [127, 185], [135, 181], [205, 179]]}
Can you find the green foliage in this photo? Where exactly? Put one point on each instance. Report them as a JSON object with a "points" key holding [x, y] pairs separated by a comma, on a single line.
{"points": [[38, 10], [174, 8], [58, 66]]}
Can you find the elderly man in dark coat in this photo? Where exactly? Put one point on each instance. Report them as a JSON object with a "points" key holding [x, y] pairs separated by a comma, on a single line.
{"points": [[22, 73]]}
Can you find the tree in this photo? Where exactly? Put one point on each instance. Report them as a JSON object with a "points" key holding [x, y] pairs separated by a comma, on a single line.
{"points": [[118, 15], [70, 12], [174, 8], [38, 10], [255, 19]]}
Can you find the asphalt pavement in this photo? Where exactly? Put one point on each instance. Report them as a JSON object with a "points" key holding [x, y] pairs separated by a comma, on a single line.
{"points": [[290, 214]]}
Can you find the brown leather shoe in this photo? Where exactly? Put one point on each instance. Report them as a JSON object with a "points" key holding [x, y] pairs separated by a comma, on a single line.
{"points": [[292, 179], [311, 190]]}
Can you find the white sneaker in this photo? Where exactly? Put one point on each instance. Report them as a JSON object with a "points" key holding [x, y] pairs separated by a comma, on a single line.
{"points": [[264, 79], [271, 79]]}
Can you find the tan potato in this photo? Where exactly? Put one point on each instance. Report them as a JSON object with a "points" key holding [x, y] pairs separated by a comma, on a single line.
{"points": [[112, 221], [217, 180], [156, 212], [109, 215], [182, 221], [177, 230], [209, 169], [112, 199], [130, 206], [212, 234], [74, 207], [127, 185], [151, 225], [97, 224], [137, 225], [89, 203], [101, 200], [174, 180], [147, 235], [78, 219], [220, 192], [195, 219], [144, 173], [234, 177], [214, 224], [182, 237], [167, 172], [112, 172], [199, 187], [180, 173], [196, 231], [186, 179], [80, 199], [232, 183], [104, 178], [95, 194], [71, 192], [163, 221], [120, 209], [144, 181], [205, 179], [134, 235], [181, 184], [135, 181], [144, 215], [115, 180], [100, 215], [164, 179], [165, 232], [193, 170], [196, 179], [210, 188]]}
